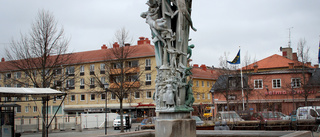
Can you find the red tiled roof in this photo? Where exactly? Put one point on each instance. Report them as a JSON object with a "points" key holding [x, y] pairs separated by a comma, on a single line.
{"points": [[273, 62], [143, 49], [198, 72]]}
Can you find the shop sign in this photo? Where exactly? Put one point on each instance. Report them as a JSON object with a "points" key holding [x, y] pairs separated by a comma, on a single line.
{"points": [[287, 92], [93, 110]]}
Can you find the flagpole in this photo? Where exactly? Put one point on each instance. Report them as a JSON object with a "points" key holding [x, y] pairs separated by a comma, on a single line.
{"points": [[241, 83]]}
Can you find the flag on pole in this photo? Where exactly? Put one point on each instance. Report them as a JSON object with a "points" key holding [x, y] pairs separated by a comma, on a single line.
{"points": [[236, 60], [319, 54]]}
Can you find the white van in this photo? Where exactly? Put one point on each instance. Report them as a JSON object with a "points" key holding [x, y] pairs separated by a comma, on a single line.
{"points": [[309, 112]]}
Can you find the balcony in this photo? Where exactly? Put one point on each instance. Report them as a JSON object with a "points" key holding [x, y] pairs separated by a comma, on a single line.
{"points": [[135, 84], [126, 70]]}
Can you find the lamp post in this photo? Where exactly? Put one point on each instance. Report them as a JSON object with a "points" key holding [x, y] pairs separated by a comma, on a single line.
{"points": [[106, 87], [292, 85]]}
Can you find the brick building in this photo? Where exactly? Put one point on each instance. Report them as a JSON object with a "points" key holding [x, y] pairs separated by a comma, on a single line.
{"points": [[276, 83]]}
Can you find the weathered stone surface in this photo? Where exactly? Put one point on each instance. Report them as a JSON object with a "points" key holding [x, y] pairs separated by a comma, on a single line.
{"points": [[175, 128]]}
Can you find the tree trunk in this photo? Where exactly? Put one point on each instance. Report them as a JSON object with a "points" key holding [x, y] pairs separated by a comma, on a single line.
{"points": [[121, 116]]}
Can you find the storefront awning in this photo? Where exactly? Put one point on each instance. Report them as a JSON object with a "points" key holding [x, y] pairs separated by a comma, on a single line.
{"points": [[34, 92]]}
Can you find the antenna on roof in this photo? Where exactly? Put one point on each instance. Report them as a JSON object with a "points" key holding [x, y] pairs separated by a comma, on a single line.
{"points": [[289, 42]]}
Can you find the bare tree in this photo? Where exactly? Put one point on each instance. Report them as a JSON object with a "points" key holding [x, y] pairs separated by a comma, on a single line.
{"points": [[303, 57], [39, 54], [123, 70]]}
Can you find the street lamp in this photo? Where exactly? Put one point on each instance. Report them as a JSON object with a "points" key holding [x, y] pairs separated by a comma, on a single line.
{"points": [[106, 87], [292, 85]]}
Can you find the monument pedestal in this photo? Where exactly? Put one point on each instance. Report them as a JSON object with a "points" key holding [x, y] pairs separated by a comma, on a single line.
{"points": [[175, 125]]}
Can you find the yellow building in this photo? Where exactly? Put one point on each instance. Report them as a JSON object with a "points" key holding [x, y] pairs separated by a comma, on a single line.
{"points": [[87, 71]]}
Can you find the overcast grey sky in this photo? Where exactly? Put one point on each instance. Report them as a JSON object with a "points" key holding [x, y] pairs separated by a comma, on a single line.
{"points": [[260, 27]]}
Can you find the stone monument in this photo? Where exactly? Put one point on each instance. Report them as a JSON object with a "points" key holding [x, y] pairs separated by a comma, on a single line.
{"points": [[170, 22]]}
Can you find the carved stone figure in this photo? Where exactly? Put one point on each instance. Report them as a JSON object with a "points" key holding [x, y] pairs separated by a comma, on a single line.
{"points": [[170, 22]]}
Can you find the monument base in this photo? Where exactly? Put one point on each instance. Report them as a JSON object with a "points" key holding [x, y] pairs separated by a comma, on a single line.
{"points": [[175, 125]]}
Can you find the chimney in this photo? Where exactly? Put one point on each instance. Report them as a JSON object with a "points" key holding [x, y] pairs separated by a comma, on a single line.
{"points": [[255, 68], [291, 64], [116, 45], [141, 40], [294, 57], [308, 64], [195, 65], [104, 46], [316, 65], [2, 60], [287, 52], [127, 44], [204, 67]]}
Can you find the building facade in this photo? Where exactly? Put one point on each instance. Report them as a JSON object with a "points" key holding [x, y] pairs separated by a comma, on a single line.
{"points": [[88, 71], [276, 83]]}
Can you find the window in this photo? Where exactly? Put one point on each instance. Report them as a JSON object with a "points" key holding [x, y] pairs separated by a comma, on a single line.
{"points": [[148, 79], [17, 85], [208, 84], [27, 98], [26, 109], [102, 67], [276, 83], [91, 82], [197, 83], [70, 83], [113, 96], [35, 108], [34, 73], [125, 96], [202, 83], [149, 94], [198, 96], [8, 75], [258, 84], [81, 70], [70, 71], [136, 95], [134, 63], [148, 64], [17, 75], [203, 97], [208, 95], [73, 97], [296, 82], [92, 97], [18, 109], [82, 83], [82, 97], [92, 69], [116, 65], [0, 76], [103, 96], [56, 71], [103, 80]]}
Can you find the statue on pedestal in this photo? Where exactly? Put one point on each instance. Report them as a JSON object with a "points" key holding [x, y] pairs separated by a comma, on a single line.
{"points": [[170, 22]]}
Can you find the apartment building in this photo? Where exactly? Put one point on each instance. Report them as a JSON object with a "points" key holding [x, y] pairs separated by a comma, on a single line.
{"points": [[276, 83], [86, 73]]}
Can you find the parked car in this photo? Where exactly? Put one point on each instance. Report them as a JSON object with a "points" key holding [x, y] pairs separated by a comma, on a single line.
{"points": [[246, 115], [117, 122], [283, 116], [148, 123], [199, 122], [309, 112], [265, 115], [228, 116]]}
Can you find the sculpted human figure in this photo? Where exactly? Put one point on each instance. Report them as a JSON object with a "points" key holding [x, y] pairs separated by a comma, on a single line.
{"points": [[169, 22]]}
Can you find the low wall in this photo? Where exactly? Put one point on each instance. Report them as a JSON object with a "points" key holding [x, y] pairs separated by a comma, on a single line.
{"points": [[210, 133]]}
